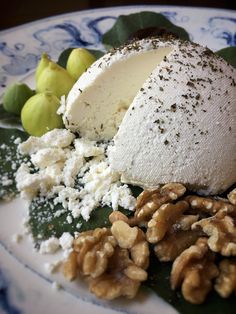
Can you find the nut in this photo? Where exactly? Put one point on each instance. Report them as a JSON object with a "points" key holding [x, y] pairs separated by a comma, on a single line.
{"points": [[118, 279], [232, 197], [140, 254], [150, 200], [125, 235], [174, 244], [226, 282], [221, 231], [209, 205], [163, 219], [194, 269], [70, 266], [117, 215], [94, 249], [184, 222]]}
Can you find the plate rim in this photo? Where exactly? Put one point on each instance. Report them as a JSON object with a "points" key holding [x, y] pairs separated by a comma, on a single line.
{"points": [[87, 11]]}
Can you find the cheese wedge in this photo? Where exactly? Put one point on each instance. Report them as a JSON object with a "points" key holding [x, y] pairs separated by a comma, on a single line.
{"points": [[177, 104], [98, 101]]}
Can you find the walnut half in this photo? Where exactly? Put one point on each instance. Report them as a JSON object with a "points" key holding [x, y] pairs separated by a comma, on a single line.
{"points": [[221, 231], [194, 268], [226, 282]]}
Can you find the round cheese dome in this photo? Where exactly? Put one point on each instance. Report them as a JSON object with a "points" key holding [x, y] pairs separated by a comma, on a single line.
{"points": [[174, 105]]}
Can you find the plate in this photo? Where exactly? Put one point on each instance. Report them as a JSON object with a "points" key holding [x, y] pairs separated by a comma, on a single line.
{"points": [[25, 287]]}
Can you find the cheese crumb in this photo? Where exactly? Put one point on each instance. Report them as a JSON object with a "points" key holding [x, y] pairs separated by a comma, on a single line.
{"points": [[66, 241], [49, 246]]}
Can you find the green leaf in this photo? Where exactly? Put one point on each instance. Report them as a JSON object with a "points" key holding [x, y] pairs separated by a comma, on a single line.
{"points": [[229, 54], [10, 160], [62, 60], [159, 282], [126, 25], [9, 119], [44, 222]]}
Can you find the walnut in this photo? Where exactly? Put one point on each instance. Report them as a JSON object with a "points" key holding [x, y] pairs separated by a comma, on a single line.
{"points": [[163, 219], [70, 266], [122, 277], [209, 205], [114, 261], [221, 231], [194, 269], [125, 235], [184, 222], [232, 197], [173, 244], [226, 282], [150, 200], [94, 248], [117, 215]]}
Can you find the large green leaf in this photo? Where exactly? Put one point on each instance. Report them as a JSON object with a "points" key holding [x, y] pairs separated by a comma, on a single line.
{"points": [[44, 222], [10, 160], [229, 54], [62, 60], [126, 25], [159, 281]]}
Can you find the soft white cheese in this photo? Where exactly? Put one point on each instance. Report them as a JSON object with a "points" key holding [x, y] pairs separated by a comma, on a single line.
{"points": [[98, 101], [180, 123]]}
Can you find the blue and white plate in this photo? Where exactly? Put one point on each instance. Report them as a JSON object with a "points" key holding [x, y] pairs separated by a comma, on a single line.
{"points": [[24, 285]]}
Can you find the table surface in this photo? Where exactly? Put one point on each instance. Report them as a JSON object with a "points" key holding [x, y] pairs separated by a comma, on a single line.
{"points": [[16, 12]]}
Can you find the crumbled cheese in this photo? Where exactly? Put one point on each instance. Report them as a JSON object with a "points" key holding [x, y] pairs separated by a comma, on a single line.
{"points": [[69, 219], [29, 184], [56, 138], [98, 179], [49, 246], [72, 168], [119, 195], [88, 148], [17, 141], [66, 241], [78, 177], [47, 156], [6, 181]]}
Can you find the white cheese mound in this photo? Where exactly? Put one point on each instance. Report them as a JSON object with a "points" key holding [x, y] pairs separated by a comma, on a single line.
{"points": [[178, 102], [77, 174]]}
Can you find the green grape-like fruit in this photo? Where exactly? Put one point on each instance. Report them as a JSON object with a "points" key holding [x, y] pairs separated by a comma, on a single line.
{"points": [[43, 63], [79, 61], [15, 97], [39, 114], [54, 79]]}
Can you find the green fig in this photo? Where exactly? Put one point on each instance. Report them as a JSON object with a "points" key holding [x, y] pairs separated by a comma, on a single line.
{"points": [[39, 114], [79, 60], [15, 97], [54, 79], [43, 63]]}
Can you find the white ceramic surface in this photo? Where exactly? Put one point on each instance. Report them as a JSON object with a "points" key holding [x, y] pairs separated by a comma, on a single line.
{"points": [[25, 287]]}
